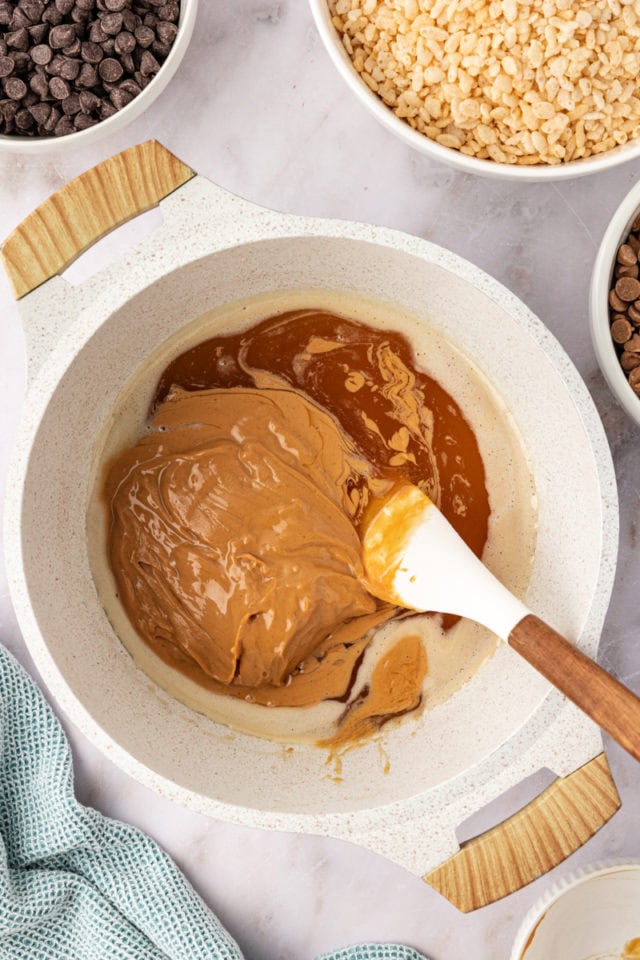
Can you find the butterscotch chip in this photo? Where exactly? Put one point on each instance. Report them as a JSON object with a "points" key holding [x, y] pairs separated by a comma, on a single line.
{"points": [[633, 314], [621, 331], [629, 361], [633, 345], [614, 301], [628, 289], [634, 380], [634, 242], [627, 255], [624, 270], [635, 226]]}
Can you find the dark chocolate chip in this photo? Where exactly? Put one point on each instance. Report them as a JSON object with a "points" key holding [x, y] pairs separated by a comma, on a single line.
{"points": [[73, 50], [169, 11], [41, 54], [89, 101], [40, 85], [15, 88], [88, 77], [59, 88], [130, 20], [130, 86], [82, 121], [145, 36], [64, 127], [7, 66], [111, 23], [53, 16], [80, 17], [125, 43], [166, 32], [71, 105], [18, 39], [120, 98], [161, 50], [39, 33], [148, 64], [19, 19], [110, 70], [62, 36], [91, 52], [33, 10], [96, 33], [70, 69], [51, 123], [22, 61], [55, 66], [24, 120], [40, 112]]}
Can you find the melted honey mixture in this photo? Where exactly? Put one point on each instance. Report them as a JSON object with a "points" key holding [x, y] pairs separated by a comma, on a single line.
{"points": [[233, 527]]}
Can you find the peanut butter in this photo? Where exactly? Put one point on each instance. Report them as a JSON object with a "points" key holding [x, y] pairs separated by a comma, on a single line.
{"points": [[234, 520]]}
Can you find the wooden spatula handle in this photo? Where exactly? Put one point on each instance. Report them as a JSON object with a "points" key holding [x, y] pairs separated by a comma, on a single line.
{"points": [[615, 708]]}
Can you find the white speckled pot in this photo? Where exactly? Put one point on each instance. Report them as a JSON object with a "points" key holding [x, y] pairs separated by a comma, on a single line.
{"points": [[84, 345]]}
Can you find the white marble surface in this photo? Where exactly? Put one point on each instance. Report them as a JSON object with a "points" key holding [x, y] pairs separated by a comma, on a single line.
{"points": [[256, 106]]}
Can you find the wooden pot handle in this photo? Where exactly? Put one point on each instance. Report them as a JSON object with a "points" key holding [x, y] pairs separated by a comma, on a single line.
{"points": [[88, 208], [615, 708], [532, 841]]}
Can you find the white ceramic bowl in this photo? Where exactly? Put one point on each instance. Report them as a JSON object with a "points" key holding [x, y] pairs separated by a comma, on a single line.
{"points": [[422, 143], [599, 305], [591, 914], [44, 145]]}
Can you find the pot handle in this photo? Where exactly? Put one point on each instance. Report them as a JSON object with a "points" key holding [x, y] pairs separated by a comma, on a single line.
{"points": [[532, 841], [86, 209]]}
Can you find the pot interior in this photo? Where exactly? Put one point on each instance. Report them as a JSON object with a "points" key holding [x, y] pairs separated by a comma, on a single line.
{"points": [[94, 407]]}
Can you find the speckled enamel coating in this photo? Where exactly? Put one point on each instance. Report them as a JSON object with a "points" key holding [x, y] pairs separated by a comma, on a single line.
{"points": [[84, 345]]}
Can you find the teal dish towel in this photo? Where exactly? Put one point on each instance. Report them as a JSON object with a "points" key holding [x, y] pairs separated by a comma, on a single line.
{"points": [[75, 885]]}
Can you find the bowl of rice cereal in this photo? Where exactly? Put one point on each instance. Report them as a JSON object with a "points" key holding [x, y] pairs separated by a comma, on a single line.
{"points": [[524, 89]]}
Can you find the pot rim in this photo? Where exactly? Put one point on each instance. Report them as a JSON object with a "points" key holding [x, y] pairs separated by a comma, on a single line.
{"points": [[62, 356]]}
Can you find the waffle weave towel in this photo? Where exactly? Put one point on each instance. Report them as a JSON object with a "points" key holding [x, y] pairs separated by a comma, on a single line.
{"points": [[75, 885]]}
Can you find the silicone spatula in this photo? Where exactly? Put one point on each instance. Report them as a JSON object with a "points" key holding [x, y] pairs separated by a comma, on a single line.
{"points": [[414, 558]]}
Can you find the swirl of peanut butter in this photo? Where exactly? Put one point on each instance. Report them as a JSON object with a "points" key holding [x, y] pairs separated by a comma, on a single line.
{"points": [[233, 522], [234, 533]]}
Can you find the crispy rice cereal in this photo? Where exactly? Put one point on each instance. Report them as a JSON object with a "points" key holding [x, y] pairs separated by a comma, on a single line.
{"points": [[515, 81]]}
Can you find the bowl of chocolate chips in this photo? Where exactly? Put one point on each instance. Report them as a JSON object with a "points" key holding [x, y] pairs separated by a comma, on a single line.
{"points": [[75, 70], [615, 304]]}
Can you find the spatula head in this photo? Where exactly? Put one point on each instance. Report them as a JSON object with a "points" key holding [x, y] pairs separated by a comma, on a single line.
{"points": [[392, 523]]}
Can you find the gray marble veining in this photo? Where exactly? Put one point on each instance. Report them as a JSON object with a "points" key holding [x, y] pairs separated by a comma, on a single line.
{"points": [[256, 105]]}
